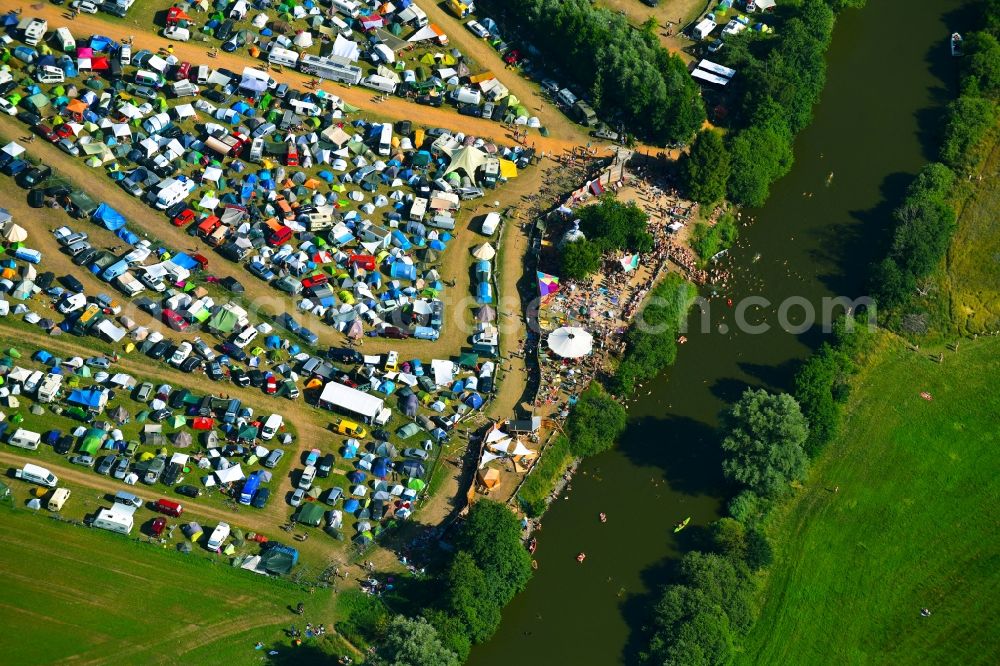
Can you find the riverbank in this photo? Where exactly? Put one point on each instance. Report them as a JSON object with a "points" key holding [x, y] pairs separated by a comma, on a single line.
{"points": [[900, 492]]}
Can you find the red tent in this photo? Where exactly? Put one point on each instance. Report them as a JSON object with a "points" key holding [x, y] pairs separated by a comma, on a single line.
{"points": [[99, 63]]}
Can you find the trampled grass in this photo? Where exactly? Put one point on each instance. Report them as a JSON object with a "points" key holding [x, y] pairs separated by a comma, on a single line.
{"points": [[911, 526], [93, 597]]}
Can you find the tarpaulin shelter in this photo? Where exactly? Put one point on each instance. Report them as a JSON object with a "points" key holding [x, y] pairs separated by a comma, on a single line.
{"points": [[107, 216], [547, 284], [467, 159]]}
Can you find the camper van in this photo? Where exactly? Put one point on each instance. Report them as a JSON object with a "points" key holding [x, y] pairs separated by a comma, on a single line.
{"points": [[284, 57], [58, 498], [385, 140], [257, 149], [219, 536], [185, 88], [173, 191], [49, 74], [144, 77], [346, 7], [418, 208], [271, 427], [466, 95], [36, 474], [119, 518], [380, 83], [201, 74], [25, 439], [64, 38]]}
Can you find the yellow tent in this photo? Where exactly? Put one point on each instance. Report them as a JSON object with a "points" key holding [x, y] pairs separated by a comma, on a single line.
{"points": [[490, 478], [485, 76], [508, 169]]}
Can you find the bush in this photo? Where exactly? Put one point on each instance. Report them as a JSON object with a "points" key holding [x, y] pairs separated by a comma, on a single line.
{"points": [[364, 619], [705, 169], [491, 536], [708, 241], [544, 475], [763, 439], [579, 259], [969, 121], [614, 225], [651, 341], [414, 642], [924, 225], [595, 423]]}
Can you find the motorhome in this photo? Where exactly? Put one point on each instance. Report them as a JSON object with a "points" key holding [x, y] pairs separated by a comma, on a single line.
{"points": [[119, 518], [284, 57], [33, 29], [219, 536], [25, 439], [173, 191], [64, 39], [49, 387], [326, 68]]}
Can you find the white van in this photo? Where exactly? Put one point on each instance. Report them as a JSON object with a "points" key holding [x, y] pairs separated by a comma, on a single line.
{"points": [[184, 88], [49, 74], [58, 498], [125, 55], [36, 474], [201, 74], [567, 97], [245, 337], [381, 83], [280, 56], [144, 77], [271, 426], [64, 38], [307, 478]]}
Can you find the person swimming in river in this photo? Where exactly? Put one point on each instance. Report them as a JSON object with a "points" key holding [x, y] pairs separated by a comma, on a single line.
{"points": [[581, 557], [604, 517]]}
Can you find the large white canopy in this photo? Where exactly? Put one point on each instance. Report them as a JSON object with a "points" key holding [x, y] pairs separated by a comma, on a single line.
{"points": [[571, 342]]}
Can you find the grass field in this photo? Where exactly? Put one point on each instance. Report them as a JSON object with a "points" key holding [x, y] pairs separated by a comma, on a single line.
{"points": [[970, 288], [87, 596], [911, 526]]}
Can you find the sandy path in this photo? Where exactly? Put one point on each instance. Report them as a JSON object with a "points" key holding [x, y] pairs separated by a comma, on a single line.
{"points": [[196, 52]]}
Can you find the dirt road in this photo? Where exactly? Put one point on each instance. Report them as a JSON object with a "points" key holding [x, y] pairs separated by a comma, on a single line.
{"points": [[395, 108]]}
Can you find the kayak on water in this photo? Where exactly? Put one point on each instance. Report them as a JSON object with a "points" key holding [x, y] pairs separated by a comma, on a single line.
{"points": [[681, 525]]}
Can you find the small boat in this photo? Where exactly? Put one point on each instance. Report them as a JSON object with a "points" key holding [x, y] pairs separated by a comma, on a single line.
{"points": [[956, 44], [581, 557], [681, 525], [532, 545]]}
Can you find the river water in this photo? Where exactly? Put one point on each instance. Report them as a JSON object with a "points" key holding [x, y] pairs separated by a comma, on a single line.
{"points": [[889, 73]]}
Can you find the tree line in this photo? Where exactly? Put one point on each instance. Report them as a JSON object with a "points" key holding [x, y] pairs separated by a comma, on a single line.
{"points": [[625, 72], [925, 221], [767, 441]]}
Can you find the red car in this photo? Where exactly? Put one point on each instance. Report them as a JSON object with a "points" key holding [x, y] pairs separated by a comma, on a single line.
{"points": [[185, 217], [158, 526], [174, 320], [64, 131], [202, 260], [314, 281], [47, 132], [270, 384], [292, 158]]}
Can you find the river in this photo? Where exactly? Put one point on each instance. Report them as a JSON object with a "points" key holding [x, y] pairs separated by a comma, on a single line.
{"points": [[889, 73]]}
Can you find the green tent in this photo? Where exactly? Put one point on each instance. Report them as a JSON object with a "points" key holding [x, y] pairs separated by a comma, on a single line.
{"points": [[176, 421], [416, 484], [13, 353], [468, 359], [92, 441], [310, 513], [223, 321]]}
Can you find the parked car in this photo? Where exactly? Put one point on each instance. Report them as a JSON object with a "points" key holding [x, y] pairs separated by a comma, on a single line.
{"points": [[260, 498], [121, 468], [187, 491], [144, 392], [85, 460], [107, 464], [297, 497]]}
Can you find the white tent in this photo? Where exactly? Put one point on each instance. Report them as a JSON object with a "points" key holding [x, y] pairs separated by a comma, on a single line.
{"points": [[484, 251], [230, 474], [570, 342], [488, 458], [13, 233]]}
